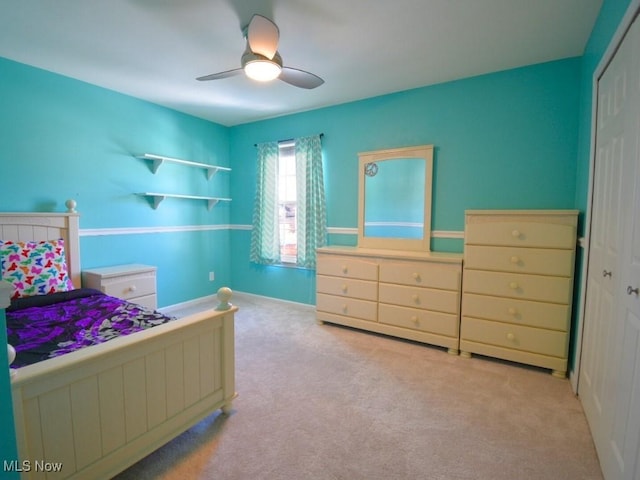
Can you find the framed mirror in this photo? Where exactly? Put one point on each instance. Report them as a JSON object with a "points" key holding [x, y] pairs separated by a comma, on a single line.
{"points": [[394, 204]]}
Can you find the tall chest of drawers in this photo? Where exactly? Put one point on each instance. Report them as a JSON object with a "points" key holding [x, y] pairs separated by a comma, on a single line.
{"points": [[517, 285], [408, 295]]}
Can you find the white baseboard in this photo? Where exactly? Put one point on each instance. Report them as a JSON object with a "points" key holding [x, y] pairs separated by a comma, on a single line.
{"points": [[272, 299], [170, 309], [212, 299]]}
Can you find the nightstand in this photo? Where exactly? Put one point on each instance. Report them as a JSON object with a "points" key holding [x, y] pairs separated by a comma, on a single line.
{"points": [[134, 283]]}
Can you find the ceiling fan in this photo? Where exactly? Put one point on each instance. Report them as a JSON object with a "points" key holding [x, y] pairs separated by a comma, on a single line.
{"points": [[261, 60]]}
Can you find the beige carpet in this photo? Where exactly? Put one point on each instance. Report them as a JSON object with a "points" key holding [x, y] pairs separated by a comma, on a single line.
{"points": [[327, 402]]}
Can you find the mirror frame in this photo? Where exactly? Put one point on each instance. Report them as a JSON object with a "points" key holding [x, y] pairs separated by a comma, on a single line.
{"points": [[420, 151]]}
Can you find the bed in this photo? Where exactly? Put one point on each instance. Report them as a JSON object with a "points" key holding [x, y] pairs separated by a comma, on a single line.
{"points": [[93, 412]]}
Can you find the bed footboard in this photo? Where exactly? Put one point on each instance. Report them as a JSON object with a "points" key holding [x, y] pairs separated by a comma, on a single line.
{"points": [[93, 413]]}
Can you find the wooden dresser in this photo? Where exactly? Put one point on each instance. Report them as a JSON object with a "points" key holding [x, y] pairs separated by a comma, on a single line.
{"points": [[412, 295], [518, 285]]}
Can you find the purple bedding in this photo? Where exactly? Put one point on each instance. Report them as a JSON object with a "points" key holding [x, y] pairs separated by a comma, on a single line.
{"points": [[47, 326]]}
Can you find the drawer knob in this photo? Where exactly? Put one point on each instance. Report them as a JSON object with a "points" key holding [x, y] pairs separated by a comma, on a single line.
{"points": [[511, 337], [513, 285], [414, 319], [344, 269], [515, 233], [132, 288], [344, 288], [416, 276], [633, 291], [515, 259], [606, 273], [344, 308], [512, 311], [416, 298]]}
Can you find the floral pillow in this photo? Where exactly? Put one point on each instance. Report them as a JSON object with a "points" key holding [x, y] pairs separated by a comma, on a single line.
{"points": [[34, 268]]}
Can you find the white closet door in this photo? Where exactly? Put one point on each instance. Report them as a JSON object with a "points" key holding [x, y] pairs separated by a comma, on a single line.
{"points": [[610, 373], [597, 371], [625, 434]]}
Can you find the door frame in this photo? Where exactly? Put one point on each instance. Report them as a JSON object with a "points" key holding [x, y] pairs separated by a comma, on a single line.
{"points": [[632, 11]]}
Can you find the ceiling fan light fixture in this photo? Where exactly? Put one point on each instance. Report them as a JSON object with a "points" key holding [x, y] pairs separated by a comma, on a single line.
{"points": [[262, 70], [261, 60]]}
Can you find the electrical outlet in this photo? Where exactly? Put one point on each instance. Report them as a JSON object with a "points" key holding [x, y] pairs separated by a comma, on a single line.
{"points": [[212, 276]]}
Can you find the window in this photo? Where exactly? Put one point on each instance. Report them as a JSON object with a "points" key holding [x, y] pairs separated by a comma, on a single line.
{"points": [[289, 216], [287, 202]]}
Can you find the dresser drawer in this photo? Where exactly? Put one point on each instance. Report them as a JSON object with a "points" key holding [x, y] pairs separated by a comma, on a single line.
{"points": [[416, 319], [446, 301], [522, 312], [421, 274], [520, 234], [149, 301], [347, 287], [350, 307], [129, 286], [343, 266], [517, 337], [521, 260], [513, 285]]}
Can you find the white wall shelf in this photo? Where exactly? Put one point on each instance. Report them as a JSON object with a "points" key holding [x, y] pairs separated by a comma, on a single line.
{"points": [[157, 198], [158, 160]]}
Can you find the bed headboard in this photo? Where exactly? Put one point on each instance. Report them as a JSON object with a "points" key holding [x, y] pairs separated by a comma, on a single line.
{"points": [[22, 227]]}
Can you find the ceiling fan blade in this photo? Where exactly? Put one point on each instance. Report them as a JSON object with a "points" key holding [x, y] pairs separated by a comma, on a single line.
{"points": [[218, 76], [300, 78], [263, 36]]}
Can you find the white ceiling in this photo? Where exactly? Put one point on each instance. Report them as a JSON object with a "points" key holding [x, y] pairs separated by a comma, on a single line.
{"points": [[154, 49]]}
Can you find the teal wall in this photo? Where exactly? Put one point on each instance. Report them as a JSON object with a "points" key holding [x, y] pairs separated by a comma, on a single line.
{"points": [[504, 140], [67, 139]]}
